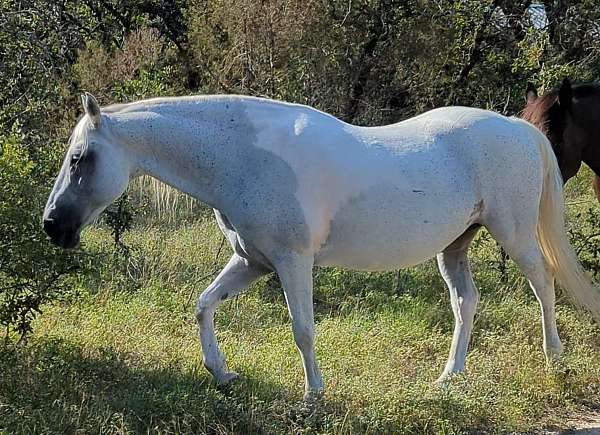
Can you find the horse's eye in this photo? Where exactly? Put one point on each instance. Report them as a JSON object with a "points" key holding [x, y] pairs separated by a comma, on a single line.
{"points": [[75, 159]]}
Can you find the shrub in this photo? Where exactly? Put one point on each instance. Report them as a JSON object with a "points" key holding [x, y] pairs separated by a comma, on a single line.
{"points": [[32, 271], [585, 239]]}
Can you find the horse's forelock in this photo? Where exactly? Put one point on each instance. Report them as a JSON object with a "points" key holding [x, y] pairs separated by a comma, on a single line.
{"points": [[80, 134]]}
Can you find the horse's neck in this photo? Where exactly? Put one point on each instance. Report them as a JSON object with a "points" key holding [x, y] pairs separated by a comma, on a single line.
{"points": [[188, 151], [586, 135]]}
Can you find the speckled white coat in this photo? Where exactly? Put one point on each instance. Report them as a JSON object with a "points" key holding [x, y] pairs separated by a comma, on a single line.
{"points": [[293, 187]]}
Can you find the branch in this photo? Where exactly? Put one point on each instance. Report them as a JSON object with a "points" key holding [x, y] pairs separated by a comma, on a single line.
{"points": [[380, 33], [475, 52]]}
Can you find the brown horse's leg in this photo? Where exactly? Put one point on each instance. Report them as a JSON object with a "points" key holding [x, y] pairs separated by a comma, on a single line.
{"points": [[596, 186]]}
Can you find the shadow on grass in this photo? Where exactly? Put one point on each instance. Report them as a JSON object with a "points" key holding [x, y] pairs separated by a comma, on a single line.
{"points": [[339, 292], [54, 386]]}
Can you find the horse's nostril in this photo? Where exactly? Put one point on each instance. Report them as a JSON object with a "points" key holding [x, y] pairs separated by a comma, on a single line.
{"points": [[50, 227]]}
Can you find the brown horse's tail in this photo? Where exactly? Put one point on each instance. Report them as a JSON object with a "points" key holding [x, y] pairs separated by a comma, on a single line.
{"points": [[552, 237]]}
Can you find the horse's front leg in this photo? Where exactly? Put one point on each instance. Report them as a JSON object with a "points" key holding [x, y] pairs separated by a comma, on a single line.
{"points": [[295, 273], [237, 275], [454, 267], [464, 296]]}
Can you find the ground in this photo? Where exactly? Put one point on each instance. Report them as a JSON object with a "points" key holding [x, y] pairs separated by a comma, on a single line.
{"points": [[124, 357]]}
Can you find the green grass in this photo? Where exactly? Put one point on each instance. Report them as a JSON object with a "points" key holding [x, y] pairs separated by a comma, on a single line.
{"points": [[124, 357]]}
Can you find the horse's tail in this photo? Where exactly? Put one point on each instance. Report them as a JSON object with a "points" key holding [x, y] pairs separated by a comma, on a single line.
{"points": [[552, 236]]}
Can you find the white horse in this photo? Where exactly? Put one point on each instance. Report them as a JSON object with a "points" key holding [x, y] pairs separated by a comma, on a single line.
{"points": [[293, 187]]}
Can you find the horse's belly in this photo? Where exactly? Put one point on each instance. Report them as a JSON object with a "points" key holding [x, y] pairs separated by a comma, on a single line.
{"points": [[395, 228]]}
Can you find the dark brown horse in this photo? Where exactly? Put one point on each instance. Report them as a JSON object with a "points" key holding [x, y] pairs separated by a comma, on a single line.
{"points": [[570, 118]]}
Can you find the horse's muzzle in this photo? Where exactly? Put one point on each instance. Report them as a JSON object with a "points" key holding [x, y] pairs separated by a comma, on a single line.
{"points": [[61, 235]]}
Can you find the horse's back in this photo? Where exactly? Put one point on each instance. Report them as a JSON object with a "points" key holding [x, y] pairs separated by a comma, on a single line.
{"points": [[375, 198], [435, 175]]}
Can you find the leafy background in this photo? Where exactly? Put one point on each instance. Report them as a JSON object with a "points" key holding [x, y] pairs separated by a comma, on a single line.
{"points": [[114, 350]]}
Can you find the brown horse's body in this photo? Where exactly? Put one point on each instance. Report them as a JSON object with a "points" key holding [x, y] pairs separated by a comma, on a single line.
{"points": [[570, 118]]}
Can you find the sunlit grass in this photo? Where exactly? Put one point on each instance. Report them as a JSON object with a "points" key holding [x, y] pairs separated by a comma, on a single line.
{"points": [[124, 357]]}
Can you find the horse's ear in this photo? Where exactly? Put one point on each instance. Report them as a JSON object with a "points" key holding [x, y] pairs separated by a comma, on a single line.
{"points": [[91, 108], [565, 95], [531, 93]]}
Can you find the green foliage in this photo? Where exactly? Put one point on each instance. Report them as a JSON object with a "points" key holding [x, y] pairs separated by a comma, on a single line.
{"points": [[108, 362], [585, 239], [119, 218], [31, 271], [129, 362]]}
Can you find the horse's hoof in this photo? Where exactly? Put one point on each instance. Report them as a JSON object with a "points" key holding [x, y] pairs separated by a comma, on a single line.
{"points": [[312, 396], [443, 381], [554, 355], [227, 378]]}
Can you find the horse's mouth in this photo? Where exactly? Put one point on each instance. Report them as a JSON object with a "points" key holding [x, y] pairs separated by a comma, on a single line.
{"points": [[66, 240], [66, 237]]}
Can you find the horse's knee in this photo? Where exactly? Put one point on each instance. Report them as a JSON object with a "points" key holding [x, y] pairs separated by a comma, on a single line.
{"points": [[201, 313], [204, 309]]}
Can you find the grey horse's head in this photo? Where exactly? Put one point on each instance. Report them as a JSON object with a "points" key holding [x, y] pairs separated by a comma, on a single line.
{"points": [[94, 173]]}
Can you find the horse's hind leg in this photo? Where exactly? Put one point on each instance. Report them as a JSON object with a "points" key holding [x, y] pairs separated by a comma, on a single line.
{"points": [[530, 260], [522, 246], [237, 275], [454, 267]]}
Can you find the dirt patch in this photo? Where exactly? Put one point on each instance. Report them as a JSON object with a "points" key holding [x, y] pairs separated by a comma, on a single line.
{"points": [[580, 423]]}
